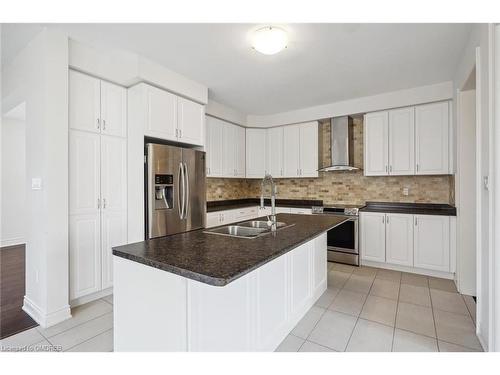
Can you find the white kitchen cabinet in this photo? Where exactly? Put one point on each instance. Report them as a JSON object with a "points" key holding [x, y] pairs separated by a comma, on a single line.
{"points": [[190, 122], [84, 255], [402, 141], [228, 150], [372, 237], [308, 147], [214, 153], [301, 272], [240, 156], [161, 114], [213, 219], [275, 151], [302, 211], [319, 264], [247, 213], [98, 208], [376, 129], [84, 102], [399, 239], [432, 138], [291, 152], [432, 242], [255, 153], [113, 109]]}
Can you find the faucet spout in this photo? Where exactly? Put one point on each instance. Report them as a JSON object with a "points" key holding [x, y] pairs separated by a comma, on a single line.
{"points": [[268, 179]]}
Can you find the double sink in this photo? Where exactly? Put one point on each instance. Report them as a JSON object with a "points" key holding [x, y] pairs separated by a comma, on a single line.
{"points": [[248, 229]]}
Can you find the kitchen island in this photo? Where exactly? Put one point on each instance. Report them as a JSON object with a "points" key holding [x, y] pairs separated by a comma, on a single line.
{"points": [[199, 291]]}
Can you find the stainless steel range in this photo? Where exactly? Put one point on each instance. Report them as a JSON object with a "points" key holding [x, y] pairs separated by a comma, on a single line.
{"points": [[342, 240]]}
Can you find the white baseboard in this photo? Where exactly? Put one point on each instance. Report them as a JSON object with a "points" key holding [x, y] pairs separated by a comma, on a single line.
{"points": [[12, 241], [419, 271], [44, 319], [91, 297]]}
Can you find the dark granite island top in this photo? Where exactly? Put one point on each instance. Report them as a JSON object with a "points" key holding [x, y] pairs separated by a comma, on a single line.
{"points": [[218, 260], [410, 208]]}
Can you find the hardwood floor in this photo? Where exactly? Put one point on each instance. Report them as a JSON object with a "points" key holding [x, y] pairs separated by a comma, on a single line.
{"points": [[12, 288]]}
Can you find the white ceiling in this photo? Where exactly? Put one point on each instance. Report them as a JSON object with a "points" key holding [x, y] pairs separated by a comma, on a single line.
{"points": [[323, 63]]}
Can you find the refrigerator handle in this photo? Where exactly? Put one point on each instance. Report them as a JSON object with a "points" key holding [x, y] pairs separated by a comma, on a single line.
{"points": [[186, 191], [181, 201]]}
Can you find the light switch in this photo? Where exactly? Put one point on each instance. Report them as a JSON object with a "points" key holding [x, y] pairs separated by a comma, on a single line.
{"points": [[36, 183]]}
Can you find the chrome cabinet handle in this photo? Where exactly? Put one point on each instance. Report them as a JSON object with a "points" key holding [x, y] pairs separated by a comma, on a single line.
{"points": [[98, 203], [386, 168], [383, 219], [103, 124], [417, 167], [98, 124], [387, 220], [104, 203], [416, 221], [390, 168]]}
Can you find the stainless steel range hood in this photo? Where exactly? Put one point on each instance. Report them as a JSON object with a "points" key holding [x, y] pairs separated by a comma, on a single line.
{"points": [[342, 145]]}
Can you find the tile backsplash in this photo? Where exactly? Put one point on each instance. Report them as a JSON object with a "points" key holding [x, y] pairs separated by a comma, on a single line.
{"points": [[346, 187]]}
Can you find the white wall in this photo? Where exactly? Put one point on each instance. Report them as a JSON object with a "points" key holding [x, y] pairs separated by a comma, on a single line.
{"points": [[394, 99], [38, 76], [13, 220], [481, 37]]}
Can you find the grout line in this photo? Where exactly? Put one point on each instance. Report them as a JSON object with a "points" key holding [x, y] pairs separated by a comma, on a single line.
{"points": [[396, 315], [433, 317], [468, 310], [93, 337]]}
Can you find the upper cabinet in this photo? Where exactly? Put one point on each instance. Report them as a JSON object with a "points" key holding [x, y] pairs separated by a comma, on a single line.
{"points": [[275, 151], [256, 153], [225, 148], [432, 137], [300, 150], [97, 106], [407, 141], [170, 117]]}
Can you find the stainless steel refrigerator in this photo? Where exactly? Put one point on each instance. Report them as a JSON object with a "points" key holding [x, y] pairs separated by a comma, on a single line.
{"points": [[175, 190]]}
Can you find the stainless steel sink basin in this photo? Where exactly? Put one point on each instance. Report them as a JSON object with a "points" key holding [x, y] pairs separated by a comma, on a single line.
{"points": [[261, 224], [238, 231]]}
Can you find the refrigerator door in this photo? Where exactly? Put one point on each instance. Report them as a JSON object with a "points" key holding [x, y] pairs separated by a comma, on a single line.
{"points": [[195, 204], [165, 194]]}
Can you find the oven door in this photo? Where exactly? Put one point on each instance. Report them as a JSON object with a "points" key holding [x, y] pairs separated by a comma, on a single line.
{"points": [[344, 237]]}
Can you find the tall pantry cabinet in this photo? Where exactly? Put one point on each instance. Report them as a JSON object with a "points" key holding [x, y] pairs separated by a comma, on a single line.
{"points": [[97, 181]]}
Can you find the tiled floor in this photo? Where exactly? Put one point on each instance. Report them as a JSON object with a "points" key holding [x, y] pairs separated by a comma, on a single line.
{"points": [[369, 309], [89, 330], [363, 309]]}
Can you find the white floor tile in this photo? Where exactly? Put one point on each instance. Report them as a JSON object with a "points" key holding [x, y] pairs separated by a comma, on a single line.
{"points": [[99, 343], [360, 284], [416, 295], [446, 301], [442, 284], [379, 309], [348, 302], [307, 323], [290, 344], [80, 314], [327, 298], [389, 275], [471, 306], [21, 340], [405, 341], [83, 332], [333, 330], [337, 279], [342, 267], [385, 288], [309, 346], [108, 299], [365, 271], [449, 347], [370, 337], [457, 329], [414, 279]]}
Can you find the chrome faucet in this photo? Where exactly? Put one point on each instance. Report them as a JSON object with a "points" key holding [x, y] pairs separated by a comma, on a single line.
{"points": [[272, 218]]}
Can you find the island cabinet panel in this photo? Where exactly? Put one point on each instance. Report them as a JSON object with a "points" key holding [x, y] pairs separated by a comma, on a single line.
{"points": [[219, 317], [320, 264], [300, 290]]}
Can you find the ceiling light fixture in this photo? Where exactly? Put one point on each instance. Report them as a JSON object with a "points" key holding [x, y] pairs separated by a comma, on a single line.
{"points": [[269, 40]]}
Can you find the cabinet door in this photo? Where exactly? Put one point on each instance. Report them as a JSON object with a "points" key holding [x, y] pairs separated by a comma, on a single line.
{"points": [[372, 228], [214, 147], [431, 132], [228, 150], [161, 119], [113, 233], [114, 174], [84, 102], [302, 211], [255, 153], [320, 263], [308, 150], [432, 242], [376, 144], [240, 152], [227, 217], [191, 117], [402, 141], [84, 173], [84, 255], [291, 153], [213, 219], [399, 239], [113, 109], [275, 151]]}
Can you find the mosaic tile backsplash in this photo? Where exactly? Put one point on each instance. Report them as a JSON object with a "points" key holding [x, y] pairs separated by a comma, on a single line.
{"points": [[342, 187]]}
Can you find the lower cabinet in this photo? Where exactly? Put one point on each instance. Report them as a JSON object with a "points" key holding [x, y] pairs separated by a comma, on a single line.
{"points": [[416, 241], [432, 242], [372, 238]]}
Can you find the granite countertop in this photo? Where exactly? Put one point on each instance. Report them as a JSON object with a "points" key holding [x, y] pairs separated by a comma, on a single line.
{"points": [[230, 204], [218, 260], [410, 208]]}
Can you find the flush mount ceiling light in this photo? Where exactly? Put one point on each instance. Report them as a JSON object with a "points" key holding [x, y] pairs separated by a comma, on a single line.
{"points": [[269, 40]]}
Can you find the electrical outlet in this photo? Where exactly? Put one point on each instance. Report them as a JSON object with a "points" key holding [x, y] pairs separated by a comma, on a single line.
{"points": [[36, 184], [406, 191]]}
